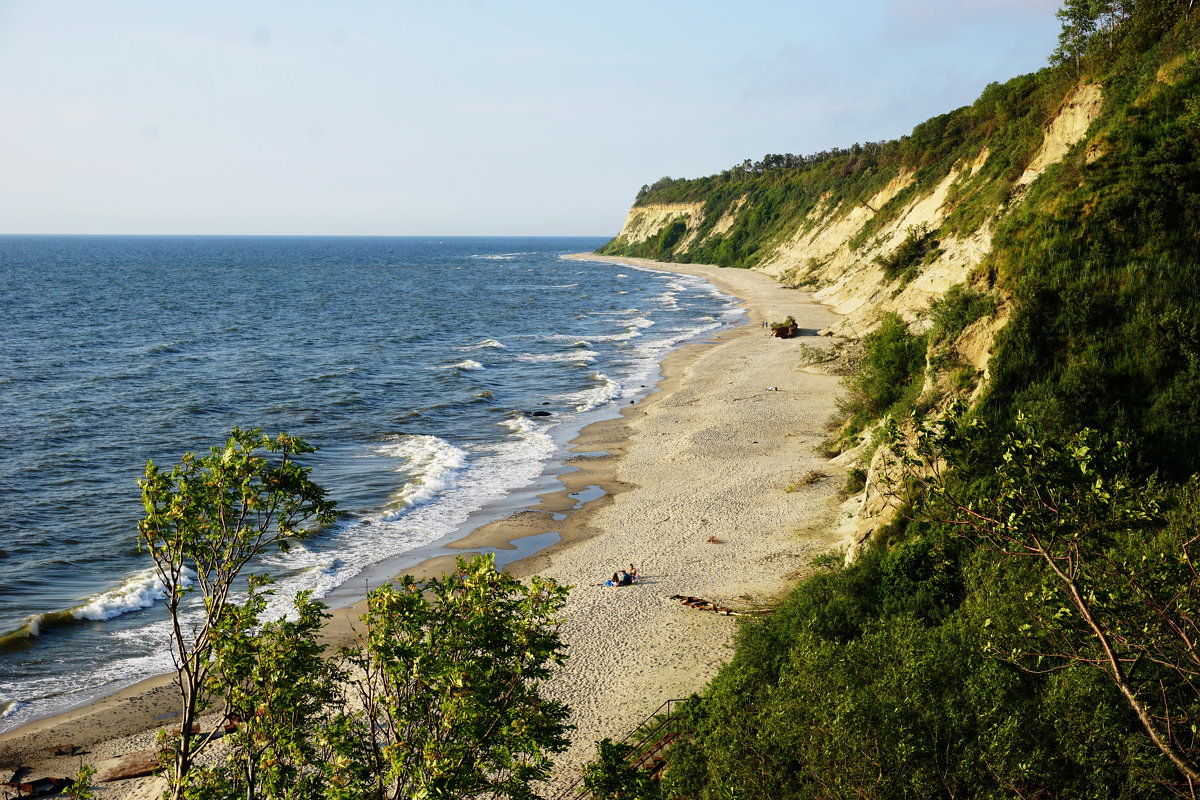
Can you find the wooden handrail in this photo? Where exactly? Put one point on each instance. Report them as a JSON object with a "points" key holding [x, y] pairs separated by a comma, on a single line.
{"points": [[640, 755]]}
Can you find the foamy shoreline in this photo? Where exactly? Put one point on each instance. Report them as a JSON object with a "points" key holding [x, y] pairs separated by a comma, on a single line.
{"points": [[708, 456]]}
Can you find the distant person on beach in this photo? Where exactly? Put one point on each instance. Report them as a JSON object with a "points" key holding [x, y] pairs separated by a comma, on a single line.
{"points": [[632, 572], [622, 578]]}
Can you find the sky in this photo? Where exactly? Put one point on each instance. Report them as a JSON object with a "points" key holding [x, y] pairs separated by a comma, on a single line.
{"points": [[455, 117]]}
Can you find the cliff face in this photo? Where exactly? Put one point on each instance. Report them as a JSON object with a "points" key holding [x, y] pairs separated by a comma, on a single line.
{"points": [[1020, 281], [1038, 246], [838, 248], [859, 252]]}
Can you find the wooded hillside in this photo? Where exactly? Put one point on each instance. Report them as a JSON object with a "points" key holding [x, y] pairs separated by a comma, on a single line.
{"points": [[1027, 624]]}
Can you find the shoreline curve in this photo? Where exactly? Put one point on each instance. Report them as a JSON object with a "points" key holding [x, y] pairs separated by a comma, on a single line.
{"points": [[707, 455]]}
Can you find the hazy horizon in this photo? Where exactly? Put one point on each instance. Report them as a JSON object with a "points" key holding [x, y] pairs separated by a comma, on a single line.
{"points": [[471, 118]]}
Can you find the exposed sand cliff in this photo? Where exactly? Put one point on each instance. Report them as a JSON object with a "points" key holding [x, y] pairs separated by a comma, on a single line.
{"points": [[823, 252], [825, 255]]}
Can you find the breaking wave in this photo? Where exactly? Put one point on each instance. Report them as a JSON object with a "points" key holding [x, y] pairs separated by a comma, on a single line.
{"points": [[431, 465], [484, 343]]}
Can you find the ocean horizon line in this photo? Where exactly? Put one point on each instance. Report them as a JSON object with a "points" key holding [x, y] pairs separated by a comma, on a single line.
{"points": [[321, 235]]}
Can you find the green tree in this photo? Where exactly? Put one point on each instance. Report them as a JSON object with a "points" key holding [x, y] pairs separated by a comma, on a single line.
{"points": [[206, 521], [1108, 574], [441, 699], [614, 775], [893, 360], [275, 682], [447, 689]]}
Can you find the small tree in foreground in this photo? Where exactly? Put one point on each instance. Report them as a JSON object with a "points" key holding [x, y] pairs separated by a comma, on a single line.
{"points": [[441, 698], [446, 690], [274, 679], [206, 521]]}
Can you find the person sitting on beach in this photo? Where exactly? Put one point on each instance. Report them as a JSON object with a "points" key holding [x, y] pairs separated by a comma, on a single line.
{"points": [[633, 575], [615, 580], [626, 578]]}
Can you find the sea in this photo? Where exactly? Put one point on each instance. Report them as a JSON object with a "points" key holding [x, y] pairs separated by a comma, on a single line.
{"points": [[441, 379]]}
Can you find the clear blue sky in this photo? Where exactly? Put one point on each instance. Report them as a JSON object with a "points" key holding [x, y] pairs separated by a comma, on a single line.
{"points": [[455, 116]]}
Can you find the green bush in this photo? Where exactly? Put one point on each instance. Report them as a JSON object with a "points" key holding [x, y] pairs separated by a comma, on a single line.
{"points": [[856, 481], [951, 313], [919, 242], [890, 376]]}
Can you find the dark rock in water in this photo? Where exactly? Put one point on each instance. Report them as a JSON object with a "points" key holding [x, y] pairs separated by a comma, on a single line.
{"points": [[539, 413]]}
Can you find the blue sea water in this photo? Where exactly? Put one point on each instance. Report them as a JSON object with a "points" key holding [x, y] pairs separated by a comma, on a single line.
{"points": [[414, 364]]}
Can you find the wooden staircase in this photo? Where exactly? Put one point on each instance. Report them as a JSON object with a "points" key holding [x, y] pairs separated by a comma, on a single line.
{"points": [[649, 740]]}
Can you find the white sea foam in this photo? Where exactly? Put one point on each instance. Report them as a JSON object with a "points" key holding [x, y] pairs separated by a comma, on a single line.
{"points": [[486, 476], [451, 483], [519, 424], [483, 343], [140, 590], [670, 299], [468, 365], [9, 707], [430, 463], [569, 357], [500, 256], [632, 329], [587, 399]]}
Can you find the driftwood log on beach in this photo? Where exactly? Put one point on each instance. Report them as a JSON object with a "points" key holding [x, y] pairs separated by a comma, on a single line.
{"points": [[131, 765], [39, 787], [700, 604]]}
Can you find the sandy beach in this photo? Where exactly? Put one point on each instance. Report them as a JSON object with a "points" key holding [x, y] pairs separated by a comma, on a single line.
{"points": [[699, 486]]}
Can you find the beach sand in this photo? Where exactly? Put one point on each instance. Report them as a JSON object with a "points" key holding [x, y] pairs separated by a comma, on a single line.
{"points": [[699, 485]]}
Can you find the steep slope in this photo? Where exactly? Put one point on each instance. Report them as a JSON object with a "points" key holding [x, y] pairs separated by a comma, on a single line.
{"points": [[1036, 256], [839, 245]]}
